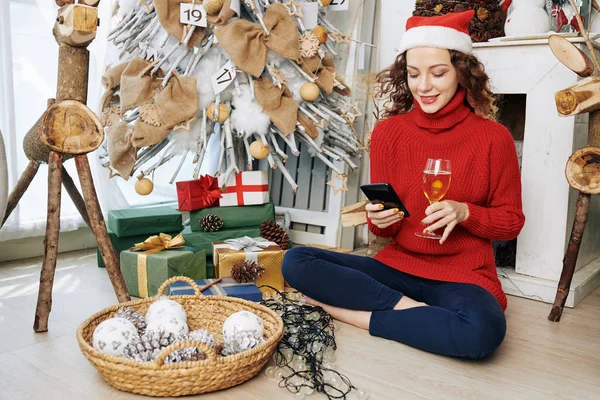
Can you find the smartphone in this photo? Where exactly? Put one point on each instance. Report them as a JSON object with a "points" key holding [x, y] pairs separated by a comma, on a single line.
{"points": [[383, 193]]}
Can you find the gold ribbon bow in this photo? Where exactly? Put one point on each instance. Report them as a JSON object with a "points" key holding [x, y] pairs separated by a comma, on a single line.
{"points": [[247, 43], [277, 103], [154, 244]]}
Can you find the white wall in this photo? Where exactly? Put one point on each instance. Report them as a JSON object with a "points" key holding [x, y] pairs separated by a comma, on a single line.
{"points": [[393, 16]]}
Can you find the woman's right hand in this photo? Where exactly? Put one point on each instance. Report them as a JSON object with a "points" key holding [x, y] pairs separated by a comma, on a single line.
{"points": [[383, 218]]}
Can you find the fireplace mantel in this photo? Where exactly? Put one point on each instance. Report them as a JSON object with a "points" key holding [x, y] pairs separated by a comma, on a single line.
{"points": [[529, 67]]}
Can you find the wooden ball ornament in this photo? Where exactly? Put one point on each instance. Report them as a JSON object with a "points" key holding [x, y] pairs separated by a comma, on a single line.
{"points": [[212, 7], [309, 91], [320, 33], [259, 150], [325, 3], [144, 186], [223, 112]]}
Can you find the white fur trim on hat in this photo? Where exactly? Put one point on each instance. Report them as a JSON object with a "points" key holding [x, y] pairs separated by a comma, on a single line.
{"points": [[439, 37]]}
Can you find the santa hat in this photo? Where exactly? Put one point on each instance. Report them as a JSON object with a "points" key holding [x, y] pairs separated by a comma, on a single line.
{"points": [[450, 31]]}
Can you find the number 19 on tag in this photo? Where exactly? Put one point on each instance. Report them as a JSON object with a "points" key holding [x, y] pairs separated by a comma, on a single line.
{"points": [[192, 14]]}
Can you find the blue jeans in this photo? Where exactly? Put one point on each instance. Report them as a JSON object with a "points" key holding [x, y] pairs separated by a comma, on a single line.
{"points": [[461, 319]]}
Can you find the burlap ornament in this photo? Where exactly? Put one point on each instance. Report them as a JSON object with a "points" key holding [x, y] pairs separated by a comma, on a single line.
{"points": [[137, 86], [168, 17], [323, 69], [277, 103], [111, 81], [177, 102], [223, 16], [247, 44], [343, 87], [121, 153], [144, 134], [309, 126]]}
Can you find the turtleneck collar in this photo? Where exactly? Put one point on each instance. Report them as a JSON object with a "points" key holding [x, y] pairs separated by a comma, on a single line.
{"points": [[452, 113]]}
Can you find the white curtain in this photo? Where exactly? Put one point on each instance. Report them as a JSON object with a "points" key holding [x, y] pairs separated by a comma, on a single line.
{"points": [[28, 70]]}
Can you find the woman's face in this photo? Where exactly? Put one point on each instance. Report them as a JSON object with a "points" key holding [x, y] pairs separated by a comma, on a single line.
{"points": [[432, 78]]}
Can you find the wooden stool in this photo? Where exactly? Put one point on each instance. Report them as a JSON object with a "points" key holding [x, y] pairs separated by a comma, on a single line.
{"points": [[68, 129]]}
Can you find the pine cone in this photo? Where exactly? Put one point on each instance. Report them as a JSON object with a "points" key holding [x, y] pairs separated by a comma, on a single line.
{"points": [[246, 271], [211, 223], [241, 341], [274, 233], [192, 353], [135, 317], [148, 346]]}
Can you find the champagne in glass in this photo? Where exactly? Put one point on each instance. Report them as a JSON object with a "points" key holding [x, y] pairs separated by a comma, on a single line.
{"points": [[436, 182]]}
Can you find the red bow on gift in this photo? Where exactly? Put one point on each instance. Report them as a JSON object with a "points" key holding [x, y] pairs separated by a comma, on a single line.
{"points": [[198, 194]]}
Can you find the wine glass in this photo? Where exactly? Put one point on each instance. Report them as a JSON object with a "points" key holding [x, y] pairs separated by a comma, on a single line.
{"points": [[436, 182]]}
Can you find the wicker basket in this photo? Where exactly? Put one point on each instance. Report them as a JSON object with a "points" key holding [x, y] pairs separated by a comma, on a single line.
{"points": [[193, 377]]}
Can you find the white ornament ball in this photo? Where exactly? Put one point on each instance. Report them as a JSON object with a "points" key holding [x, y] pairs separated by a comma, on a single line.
{"points": [[168, 323], [112, 335], [165, 307], [243, 321]]}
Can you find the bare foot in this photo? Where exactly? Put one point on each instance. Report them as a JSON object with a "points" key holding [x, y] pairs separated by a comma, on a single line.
{"points": [[360, 319]]}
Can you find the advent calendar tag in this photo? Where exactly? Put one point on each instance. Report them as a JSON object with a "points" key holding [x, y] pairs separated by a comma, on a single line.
{"points": [[235, 6], [311, 15], [192, 14], [223, 77], [338, 5]]}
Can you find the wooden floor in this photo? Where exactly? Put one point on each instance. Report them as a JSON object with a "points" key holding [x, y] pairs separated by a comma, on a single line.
{"points": [[538, 359]]}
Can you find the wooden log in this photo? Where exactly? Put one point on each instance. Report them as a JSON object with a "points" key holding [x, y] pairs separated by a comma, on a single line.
{"points": [[71, 127], [580, 98], [75, 195], [76, 25], [570, 259], [99, 228], [583, 170], [72, 80], [571, 57], [44, 301], [19, 190], [594, 129]]}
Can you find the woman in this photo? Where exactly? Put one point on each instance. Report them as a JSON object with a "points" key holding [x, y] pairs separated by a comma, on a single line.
{"points": [[439, 296]]}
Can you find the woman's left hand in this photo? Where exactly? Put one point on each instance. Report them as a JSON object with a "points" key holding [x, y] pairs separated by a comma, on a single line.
{"points": [[446, 213]]}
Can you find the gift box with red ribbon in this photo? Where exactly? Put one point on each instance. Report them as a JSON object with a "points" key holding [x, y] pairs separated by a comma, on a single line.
{"points": [[245, 188], [198, 193]]}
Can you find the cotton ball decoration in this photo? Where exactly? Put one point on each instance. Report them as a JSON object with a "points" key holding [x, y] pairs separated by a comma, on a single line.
{"points": [[112, 335], [208, 64], [168, 323], [223, 112], [309, 92], [259, 150], [187, 140], [295, 80], [163, 307], [526, 17], [144, 186], [242, 330], [247, 115], [212, 7], [125, 6]]}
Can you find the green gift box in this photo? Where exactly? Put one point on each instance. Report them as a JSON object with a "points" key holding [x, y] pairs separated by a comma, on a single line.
{"points": [[235, 217], [125, 243], [144, 221], [144, 273], [204, 240]]}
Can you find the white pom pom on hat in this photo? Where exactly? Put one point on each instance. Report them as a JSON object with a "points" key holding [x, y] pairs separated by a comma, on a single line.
{"points": [[450, 31]]}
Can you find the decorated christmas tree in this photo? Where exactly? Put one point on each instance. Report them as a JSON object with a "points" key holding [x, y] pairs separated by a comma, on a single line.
{"points": [[249, 76], [487, 23]]}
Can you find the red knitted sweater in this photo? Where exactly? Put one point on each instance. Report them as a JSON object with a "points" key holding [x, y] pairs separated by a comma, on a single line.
{"points": [[485, 176]]}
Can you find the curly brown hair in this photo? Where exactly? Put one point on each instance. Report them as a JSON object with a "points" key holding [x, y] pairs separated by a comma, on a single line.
{"points": [[393, 86]]}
